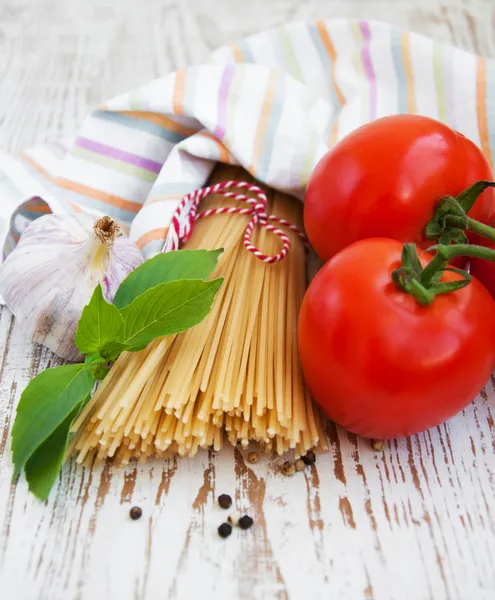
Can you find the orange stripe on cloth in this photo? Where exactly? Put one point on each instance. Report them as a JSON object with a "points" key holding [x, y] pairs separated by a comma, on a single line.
{"points": [[408, 70], [110, 199], [237, 52], [151, 236], [161, 120], [43, 208], [330, 48], [266, 109], [37, 167], [78, 209], [481, 108], [223, 153], [179, 92], [49, 178]]}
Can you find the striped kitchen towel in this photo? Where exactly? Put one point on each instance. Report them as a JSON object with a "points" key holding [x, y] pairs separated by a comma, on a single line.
{"points": [[273, 103]]}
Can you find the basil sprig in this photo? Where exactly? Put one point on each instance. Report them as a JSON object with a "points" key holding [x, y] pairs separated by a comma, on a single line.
{"points": [[165, 295]]}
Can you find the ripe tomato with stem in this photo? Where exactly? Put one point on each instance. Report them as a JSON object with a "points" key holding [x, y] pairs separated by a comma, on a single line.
{"points": [[386, 178], [392, 343]]}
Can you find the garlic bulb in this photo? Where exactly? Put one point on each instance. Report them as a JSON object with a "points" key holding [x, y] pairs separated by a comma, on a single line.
{"points": [[50, 276]]}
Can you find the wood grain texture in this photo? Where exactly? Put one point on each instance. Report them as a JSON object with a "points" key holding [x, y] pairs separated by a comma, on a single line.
{"points": [[414, 522]]}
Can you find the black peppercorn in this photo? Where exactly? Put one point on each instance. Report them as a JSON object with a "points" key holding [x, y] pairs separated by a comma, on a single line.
{"points": [[309, 458], [224, 530], [225, 501], [135, 513], [245, 522]]}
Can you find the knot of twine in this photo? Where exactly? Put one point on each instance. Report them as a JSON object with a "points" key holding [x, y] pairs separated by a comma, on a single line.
{"points": [[186, 214]]}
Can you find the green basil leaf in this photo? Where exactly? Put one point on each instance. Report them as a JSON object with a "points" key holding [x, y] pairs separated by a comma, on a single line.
{"points": [[45, 403], [99, 324], [94, 358], [97, 365], [170, 266], [112, 350], [43, 466], [101, 372], [166, 309]]}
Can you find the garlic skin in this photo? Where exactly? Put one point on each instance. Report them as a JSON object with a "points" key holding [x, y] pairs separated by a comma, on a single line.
{"points": [[50, 276]]}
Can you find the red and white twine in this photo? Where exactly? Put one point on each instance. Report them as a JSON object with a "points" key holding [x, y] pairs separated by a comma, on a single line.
{"points": [[186, 214]]}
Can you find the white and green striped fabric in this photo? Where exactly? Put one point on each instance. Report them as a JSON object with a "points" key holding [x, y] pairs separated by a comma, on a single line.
{"points": [[273, 103]]}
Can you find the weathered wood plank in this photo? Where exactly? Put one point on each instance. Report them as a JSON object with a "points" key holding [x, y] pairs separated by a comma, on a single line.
{"points": [[58, 59], [414, 522]]}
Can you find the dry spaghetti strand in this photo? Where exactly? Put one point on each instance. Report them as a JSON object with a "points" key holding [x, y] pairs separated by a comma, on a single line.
{"points": [[234, 376]]}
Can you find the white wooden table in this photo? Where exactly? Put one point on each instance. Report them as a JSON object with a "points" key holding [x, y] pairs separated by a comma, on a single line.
{"points": [[415, 522]]}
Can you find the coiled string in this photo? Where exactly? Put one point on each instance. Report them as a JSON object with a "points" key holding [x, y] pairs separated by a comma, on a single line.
{"points": [[180, 231]]}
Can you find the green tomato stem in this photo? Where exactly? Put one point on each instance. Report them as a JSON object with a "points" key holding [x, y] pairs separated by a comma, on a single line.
{"points": [[468, 197], [437, 264], [481, 229], [450, 252], [451, 220], [448, 226], [424, 284]]}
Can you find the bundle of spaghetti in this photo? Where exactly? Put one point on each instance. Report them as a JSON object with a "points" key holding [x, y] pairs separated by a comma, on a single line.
{"points": [[236, 375]]}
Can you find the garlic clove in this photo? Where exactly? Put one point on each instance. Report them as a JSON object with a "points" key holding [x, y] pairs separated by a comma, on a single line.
{"points": [[50, 276]]}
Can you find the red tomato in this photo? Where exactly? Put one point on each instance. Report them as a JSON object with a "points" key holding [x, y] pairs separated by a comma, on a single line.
{"points": [[380, 364], [385, 179]]}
